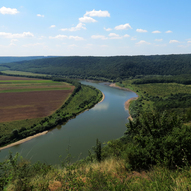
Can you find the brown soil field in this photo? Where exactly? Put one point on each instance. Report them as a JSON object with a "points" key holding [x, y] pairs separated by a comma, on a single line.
{"points": [[3, 87], [29, 105]]}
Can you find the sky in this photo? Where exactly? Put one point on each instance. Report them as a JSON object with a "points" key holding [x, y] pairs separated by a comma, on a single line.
{"points": [[94, 27]]}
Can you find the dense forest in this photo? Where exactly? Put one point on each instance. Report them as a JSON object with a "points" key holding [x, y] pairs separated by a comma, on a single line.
{"points": [[107, 68]]}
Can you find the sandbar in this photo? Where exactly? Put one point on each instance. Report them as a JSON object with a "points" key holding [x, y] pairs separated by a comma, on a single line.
{"points": [[128, 102], [24, 140]]}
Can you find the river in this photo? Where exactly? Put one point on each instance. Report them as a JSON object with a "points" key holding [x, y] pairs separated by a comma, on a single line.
{"points": [[105, 121]]}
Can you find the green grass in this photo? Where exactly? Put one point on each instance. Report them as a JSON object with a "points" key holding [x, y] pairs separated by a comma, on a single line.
{"points": [[35, 89], [7, 127], [11, 72], [28, 81], [154, 96], [110, 174]]}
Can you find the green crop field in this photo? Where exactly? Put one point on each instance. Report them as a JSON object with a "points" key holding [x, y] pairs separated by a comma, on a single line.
{"points": [[12, 72]]}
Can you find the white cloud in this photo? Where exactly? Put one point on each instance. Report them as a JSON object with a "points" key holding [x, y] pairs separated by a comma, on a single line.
{"points": [[17, 35], [189, 41], [173, 41], [142, 42], [122, 27], [52, 26], [78, 27], [107, 29], [126, 35], [133, 38], [159, 40], [39, 15], [141, 30], [4, 10], [156, 32], [99, 37], [58, 37], [76, 38], [14, 40], [61, 37], [113, 35], [168, 31], [86, 19], [99, 13]]}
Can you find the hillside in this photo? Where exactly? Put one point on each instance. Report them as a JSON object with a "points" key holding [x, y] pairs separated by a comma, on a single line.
{"points": [[9, 59], [112, 68]]}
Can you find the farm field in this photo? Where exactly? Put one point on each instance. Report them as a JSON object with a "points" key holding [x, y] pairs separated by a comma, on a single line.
{"points": [[29, 98], [12, 72]]}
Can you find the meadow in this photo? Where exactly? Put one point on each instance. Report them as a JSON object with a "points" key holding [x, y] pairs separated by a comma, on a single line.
{"points": [[21, 73]]}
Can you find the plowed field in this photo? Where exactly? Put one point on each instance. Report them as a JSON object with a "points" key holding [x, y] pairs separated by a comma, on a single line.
{"points": [[30, 98]]}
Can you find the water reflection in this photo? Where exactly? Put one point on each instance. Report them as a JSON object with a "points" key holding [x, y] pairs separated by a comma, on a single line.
{"points": [[103, 106]]}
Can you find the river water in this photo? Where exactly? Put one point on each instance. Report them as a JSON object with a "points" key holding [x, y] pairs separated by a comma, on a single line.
{"points": [[105, 121]]}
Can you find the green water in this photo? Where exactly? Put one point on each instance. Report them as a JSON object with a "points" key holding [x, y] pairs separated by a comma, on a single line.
{"points": [[106, 121]]}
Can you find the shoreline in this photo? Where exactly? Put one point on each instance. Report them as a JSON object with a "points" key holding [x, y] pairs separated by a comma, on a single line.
{"points": [[116, 86], [24, 140], [103, 97], [128, 102]]}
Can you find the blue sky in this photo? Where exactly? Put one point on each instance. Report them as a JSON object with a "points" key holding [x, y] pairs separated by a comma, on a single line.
{"points": [[94, 27]]}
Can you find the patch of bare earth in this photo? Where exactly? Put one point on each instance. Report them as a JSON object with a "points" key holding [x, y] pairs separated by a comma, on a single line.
{"points": [[29, 105]]}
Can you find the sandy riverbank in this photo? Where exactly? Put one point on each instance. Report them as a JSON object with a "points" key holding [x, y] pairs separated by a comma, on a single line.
{"points": [[128, 102], [103, 97], [24, 140]]}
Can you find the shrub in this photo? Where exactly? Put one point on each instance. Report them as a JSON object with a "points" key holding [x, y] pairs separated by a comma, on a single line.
{"points": [[158, 138]]}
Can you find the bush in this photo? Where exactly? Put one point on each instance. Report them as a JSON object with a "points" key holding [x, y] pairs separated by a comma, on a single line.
{"points": [[158, 138]]}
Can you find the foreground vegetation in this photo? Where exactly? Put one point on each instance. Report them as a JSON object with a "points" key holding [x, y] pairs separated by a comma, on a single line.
{"points": [[150, 157]]}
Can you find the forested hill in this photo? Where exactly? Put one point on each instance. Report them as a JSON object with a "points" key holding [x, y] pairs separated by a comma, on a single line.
{"points": [[8, 59], [108, 67]]}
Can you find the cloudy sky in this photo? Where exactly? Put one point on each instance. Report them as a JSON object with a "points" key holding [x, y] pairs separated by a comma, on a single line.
{"points": [[94, 27]]}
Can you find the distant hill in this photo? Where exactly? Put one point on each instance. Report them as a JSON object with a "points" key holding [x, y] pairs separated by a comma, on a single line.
{"points": [[9, 59], [116, 67]]}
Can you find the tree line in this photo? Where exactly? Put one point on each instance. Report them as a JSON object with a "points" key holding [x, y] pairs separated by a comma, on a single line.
{"points": [[107, 68]]}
